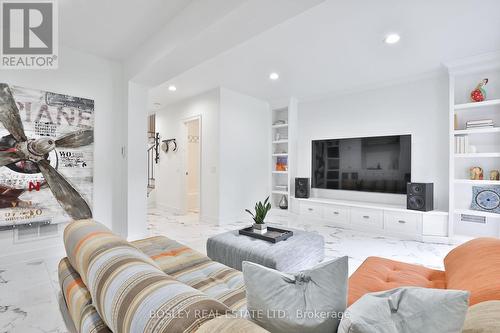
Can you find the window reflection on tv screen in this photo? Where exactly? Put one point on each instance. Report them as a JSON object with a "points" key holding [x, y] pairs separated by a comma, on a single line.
{"points": [[372, 164]]}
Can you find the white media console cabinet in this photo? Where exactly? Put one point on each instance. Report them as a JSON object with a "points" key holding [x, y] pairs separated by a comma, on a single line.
{"points": [[384, 219]]}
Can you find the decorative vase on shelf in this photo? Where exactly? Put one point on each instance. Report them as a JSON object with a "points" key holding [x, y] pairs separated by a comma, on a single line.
{"points": [[479, 94], [283, 202]]}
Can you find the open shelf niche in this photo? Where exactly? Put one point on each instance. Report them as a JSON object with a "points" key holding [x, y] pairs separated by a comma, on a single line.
{"points": [[481, 147], [283, 151]]}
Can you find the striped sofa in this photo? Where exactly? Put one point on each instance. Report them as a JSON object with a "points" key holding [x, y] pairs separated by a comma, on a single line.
{"points": [[151, 285]]}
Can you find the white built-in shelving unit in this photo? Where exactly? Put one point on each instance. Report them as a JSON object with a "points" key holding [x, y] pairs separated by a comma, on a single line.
{"points": [[464, 75], [475, 105], [283, 147], [477, 131]]}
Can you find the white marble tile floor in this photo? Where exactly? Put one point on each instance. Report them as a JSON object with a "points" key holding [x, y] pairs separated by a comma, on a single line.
{"points": [[29, 289], [338, 242]]}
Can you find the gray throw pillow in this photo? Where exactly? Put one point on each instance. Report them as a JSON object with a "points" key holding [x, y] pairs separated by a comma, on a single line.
{"points": [[407, 310], [308, 301]]}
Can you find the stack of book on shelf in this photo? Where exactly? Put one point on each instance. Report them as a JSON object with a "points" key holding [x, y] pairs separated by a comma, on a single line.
{"points": [[484, 123], [461, 144]]}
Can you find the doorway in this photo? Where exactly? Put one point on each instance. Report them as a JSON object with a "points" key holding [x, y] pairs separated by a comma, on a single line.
{"points": [[193, 164]]}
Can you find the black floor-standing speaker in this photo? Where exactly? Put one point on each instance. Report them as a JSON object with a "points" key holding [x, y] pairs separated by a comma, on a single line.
{"points": [[420, 196], [302, 188]]}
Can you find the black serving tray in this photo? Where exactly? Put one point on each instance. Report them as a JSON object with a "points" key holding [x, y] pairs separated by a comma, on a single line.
{"points": [[273, 235]]}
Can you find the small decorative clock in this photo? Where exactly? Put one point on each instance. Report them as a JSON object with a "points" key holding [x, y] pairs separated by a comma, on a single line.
{"points": [[486, 199]]}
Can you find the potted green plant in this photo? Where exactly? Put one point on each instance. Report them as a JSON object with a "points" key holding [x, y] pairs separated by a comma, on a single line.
{"points": [[261, 210]]}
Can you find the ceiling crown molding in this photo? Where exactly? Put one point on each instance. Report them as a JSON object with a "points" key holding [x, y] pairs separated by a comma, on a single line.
{"points": [[481, 62], [435, 74]]}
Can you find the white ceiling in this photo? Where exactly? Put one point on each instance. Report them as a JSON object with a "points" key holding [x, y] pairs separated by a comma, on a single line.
{"points": [[338, 46], [113, 28], [204, 30]]}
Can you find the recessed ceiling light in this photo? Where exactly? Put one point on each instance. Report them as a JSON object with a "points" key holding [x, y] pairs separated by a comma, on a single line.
{"points": [[274, 76], [172, 88], [392, 38]]}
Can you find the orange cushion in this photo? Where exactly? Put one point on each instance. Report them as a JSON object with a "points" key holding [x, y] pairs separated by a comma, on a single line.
{"points": [[378, 274], [475, 266]]}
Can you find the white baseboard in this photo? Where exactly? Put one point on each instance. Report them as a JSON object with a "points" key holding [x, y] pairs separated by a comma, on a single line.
{"points": [[137, 236], [437, 240]]}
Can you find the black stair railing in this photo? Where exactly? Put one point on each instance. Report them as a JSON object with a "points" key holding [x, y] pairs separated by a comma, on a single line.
{"points": [[153, 158]]}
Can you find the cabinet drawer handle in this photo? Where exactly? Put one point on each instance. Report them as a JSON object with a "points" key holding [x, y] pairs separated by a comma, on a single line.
{"points": [[402, 221], [310, 209], [366, 217], [336, 213]]}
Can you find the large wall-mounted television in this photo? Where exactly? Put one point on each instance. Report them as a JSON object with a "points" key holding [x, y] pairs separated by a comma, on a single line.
{"points": [[370, 164]]}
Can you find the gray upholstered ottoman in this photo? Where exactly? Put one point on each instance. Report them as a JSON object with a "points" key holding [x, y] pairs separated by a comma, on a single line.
{"points": [[301, 251]]}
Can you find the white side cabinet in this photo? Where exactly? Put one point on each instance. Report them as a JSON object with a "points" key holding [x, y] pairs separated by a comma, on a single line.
{"points": [[312, 210], [435, 225], [403, 222], [339, 214], [367, 217], [384, 219]]}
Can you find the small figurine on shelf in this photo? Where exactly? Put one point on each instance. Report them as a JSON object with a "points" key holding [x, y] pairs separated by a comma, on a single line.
{"points": [[494, 175], [479, 94], [476, 173]]}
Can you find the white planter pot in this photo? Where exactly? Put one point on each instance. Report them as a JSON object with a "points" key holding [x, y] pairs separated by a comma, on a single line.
{"points": [[260, 228]]}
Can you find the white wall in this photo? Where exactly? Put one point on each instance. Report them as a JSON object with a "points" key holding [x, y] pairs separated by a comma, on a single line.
{"points": [[191, 37], [170, 171], [245, 152], [137, 179], [82, 75], [418, 108], [235, 154]]}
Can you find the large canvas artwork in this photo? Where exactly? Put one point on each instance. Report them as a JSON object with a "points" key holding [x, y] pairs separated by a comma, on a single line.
{"points": [[46, 156]]}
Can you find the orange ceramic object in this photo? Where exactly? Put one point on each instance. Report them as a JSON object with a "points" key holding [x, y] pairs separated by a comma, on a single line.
{"points": [[280, 167]]}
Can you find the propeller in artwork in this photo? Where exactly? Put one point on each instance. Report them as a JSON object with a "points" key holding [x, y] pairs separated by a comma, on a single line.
{"points": [[36, 150]]}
